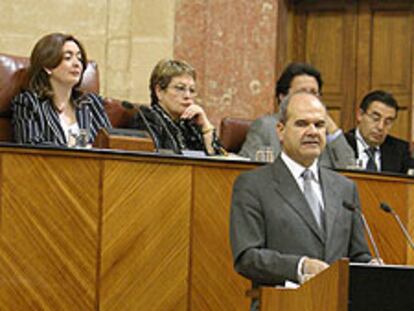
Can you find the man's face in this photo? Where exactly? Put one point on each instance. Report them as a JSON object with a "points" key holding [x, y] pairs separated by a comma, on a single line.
{"points": [[303, 136], [376, 122], [304, 83]]}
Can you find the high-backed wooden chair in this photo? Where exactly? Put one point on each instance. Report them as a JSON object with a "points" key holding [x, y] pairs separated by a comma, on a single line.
{"points": [[13, 76]]}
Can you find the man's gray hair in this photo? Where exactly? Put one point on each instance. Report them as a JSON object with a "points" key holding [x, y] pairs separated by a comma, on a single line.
{"points": [[283, 107]]}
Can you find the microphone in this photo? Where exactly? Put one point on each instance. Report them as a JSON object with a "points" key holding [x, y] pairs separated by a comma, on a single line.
{"points": [[353, 208], [386, 208], [129, 106]]}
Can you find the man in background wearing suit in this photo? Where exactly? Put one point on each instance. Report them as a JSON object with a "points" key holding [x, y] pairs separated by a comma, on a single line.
{"points": [[374, 148], [287, 218], [298, 77]]}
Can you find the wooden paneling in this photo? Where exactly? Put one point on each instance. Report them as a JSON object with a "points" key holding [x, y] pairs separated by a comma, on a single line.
{"points": [[146, 232], [385, 41], [326, 292], [49, 216], [374, 190], [358, 46], [211, 259], [390, 51], [324, 35], [106, 231]]}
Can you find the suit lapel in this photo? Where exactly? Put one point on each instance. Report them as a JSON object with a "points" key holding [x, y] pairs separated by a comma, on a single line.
{"points": [[53, 121], [331, 202], [288, 189]]}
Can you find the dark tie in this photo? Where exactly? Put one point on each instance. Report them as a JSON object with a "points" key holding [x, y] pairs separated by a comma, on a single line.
{"points": [[311, 197], [371, 165]]}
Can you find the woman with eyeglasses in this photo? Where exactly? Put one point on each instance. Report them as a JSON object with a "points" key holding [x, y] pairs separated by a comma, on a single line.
{"points": [[174, 119], [52, 108]]}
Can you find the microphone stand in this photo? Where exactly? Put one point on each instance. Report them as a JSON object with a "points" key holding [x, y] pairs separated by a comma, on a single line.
{"points": [[137, 108], [386, 208], [352, 208]]}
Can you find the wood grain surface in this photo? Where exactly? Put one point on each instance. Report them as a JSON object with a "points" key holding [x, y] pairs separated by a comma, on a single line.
{"points": [[110, 231]]}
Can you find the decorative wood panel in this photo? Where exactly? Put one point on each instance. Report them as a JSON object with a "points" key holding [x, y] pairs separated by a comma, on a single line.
{"points": [[324, 35], [358, 46], [387, 234], [49, 213], [385, 61], [214, 283], [326, 292], [102, 231], [145, 233]]}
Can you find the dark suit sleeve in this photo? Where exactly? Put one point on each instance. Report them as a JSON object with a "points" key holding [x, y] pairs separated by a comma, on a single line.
{"points": [[358, 249], [248, 238], [407, 162], [27, 119]]}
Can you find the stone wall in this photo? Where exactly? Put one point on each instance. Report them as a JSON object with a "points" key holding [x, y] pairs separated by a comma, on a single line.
{"points": [[125, 37], [231, 43]]}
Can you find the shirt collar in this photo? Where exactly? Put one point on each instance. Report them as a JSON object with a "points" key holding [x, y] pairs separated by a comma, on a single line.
{"points": [[362, 145], [297, 169]]}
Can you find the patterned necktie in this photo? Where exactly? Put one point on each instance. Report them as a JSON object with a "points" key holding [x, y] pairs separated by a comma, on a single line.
{"points": [[311, 197], [371, 165]]}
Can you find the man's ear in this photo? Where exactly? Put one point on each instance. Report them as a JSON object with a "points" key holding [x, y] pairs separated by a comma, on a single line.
{"points": [[280, 131], [359, 114]]}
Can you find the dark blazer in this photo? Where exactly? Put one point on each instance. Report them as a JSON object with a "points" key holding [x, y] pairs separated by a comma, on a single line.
{"points": [[165, 132], [272, 226], [395, 153], [35, 121]]}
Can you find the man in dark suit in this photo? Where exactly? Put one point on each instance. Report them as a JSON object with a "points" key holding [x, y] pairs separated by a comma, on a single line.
{"points": [[374, 148], [287, 218]]}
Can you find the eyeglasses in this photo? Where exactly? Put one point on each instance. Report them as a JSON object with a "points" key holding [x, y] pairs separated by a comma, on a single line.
{"points": [[376, 118], [182, 90], [308, 90], [312, 91]]}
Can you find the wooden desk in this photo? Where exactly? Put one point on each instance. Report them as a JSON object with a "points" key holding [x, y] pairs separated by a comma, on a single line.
{"points": [[85, 230], [398, 192], [111, 231]]}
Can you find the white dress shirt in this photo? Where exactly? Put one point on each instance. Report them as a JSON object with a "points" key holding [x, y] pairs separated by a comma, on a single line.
{"points": [[363, 157], [297, 170]]}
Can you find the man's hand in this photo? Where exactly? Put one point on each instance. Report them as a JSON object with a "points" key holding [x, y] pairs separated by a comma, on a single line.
{"points": [[376, 262], [331, 126], [311, 267]]}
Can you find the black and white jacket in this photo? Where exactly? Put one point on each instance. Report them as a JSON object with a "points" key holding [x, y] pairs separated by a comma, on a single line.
{"points": [[35, 121]]}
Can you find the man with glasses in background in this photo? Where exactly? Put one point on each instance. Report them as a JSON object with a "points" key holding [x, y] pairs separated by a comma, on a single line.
{"points": [[375, 149]]}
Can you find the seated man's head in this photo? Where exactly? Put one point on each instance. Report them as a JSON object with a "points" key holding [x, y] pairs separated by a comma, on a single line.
{"points": [[298, 77], [302, 127], [376, 115]]}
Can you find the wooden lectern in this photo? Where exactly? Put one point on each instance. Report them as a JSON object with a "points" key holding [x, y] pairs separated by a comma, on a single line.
{"points": [[347, 287]]}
